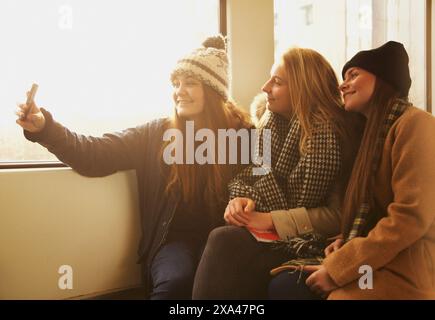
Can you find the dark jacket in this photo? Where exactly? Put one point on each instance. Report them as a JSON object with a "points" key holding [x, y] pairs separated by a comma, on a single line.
{"points": [[135, 148]]}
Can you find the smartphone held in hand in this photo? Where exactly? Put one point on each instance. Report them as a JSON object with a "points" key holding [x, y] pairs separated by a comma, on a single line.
{"points": [[30, 100]]}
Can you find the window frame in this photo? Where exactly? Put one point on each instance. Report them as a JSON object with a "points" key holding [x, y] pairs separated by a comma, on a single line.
{"points": [[428, 27]]}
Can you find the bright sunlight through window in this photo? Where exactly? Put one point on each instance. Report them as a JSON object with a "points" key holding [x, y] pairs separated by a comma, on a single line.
{"points": [[101, 65]]}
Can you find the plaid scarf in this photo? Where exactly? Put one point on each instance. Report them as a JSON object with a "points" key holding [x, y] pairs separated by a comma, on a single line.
{"points": [[294, 179], [361, 218]]}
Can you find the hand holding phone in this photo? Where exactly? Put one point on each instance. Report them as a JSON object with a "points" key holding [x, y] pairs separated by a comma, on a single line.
{"points": [[30, 100], [30, 117]]}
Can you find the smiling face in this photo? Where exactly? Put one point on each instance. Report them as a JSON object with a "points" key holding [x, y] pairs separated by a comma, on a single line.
{"points": [[357, 89], [188, 96], [277, 89]]}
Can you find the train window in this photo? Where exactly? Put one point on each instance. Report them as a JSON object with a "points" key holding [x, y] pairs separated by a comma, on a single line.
{"points": [[340, 28], [100, 65]]}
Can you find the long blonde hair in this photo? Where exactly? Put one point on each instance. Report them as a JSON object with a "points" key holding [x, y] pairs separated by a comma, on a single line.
{"points": [[316, 99], [206, 181], [314, 94]]}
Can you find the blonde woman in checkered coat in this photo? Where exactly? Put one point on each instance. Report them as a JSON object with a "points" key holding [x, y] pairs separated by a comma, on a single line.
{"points": [[313, 143]]}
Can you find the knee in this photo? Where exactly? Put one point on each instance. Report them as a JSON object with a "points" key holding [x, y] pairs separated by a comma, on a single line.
{"points": [[223, 244], [173, 286], [225, 238]]}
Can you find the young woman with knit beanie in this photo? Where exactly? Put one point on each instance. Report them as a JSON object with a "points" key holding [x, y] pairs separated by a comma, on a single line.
{"points": [[313, 144], [179, 203], [387, 245]]}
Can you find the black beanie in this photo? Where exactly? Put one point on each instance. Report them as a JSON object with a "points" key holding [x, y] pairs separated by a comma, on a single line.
{"points": [[388, 62]]}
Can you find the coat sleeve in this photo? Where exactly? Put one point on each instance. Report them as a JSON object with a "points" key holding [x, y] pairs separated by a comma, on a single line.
{"points": [[298, 221], [411, 213], [92, 156]]}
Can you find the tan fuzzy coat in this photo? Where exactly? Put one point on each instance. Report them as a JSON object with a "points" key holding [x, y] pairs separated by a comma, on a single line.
{"points": [[401, 247]]}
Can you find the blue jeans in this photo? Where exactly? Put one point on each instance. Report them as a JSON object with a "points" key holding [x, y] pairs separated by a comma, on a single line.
{"points": [[173, 270], [285, 286]]}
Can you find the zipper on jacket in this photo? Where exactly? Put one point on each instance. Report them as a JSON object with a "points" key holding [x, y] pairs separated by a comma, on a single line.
{"points": [[167, 229]]}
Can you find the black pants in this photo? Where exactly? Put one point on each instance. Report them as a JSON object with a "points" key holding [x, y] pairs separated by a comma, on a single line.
{"points": [[235, 266]]}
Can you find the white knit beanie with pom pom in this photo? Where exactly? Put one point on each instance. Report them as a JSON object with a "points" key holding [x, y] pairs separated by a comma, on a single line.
{"points": [[208, 64]]}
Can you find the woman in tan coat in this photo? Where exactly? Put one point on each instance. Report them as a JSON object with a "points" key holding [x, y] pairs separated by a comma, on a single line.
{"points": [[388, 246]]}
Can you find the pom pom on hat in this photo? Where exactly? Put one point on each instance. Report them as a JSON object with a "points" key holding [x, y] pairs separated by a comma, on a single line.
{"points": [[208, 64], [217, 42]]}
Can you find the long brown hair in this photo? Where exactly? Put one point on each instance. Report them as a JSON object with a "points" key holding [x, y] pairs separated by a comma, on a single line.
{"points": [[316, 99], [362, 178], [207, 181]]}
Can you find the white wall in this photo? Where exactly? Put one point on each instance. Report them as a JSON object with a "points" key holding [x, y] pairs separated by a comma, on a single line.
{"points": [[251, 46], [54, 217]]}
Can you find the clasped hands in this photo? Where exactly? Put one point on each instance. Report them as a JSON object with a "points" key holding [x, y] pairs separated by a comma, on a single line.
{"points": [[241, 212]]}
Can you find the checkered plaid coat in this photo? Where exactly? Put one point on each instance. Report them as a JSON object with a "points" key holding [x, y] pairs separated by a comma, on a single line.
{"points": [[295, 179]]}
